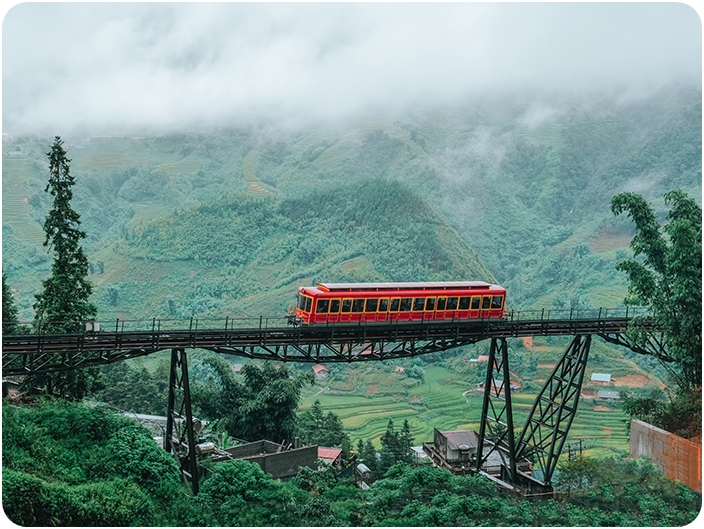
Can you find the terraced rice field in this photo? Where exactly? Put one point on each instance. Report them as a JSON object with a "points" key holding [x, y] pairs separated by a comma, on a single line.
{"points": [[15, 195], [256, 186], [444, 407]]}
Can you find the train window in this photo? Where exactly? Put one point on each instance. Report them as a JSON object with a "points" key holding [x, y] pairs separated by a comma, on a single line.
{"points": [[496, 302], [441, 304], [418, 304], [358, 305], [486, 301], [394, 305], [346, 305], [475, 302], [430, 304], [309, 304], [371, 305], [334, 306], [301, 302], [384, 305], [464, 303], [406, 304], [322, 306], [451, 304]]}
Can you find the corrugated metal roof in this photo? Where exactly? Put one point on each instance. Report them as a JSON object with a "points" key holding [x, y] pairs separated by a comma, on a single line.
{"points": [[457, 438], [403, 286], [601, 377], [328, 453], [319, 367], [607, 395]]}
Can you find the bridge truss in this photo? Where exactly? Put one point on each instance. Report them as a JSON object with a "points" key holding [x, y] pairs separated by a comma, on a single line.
{"points": [[541, 439]]}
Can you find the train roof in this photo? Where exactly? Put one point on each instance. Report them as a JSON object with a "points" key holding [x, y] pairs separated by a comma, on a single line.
{"points": [[434, 285]]}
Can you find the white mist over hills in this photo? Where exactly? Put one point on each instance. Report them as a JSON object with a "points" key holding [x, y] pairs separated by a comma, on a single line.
{"points": [[171, 66]]}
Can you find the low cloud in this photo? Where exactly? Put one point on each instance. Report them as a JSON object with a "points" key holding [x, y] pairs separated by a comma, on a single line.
{"points": [[163, 65]]}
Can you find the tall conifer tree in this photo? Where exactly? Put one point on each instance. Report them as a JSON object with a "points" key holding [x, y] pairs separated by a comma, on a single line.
{"points": [[9, 310], [63, 304]]}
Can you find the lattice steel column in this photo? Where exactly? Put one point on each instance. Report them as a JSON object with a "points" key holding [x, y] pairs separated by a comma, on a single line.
{"points": [[554, 409], [497, 421], [179, 425]]}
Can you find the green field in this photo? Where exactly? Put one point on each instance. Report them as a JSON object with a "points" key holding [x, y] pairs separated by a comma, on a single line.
{"points": [[444, 407]]}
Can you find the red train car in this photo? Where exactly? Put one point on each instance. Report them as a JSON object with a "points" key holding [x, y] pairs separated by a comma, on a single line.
{"points": [[340, 303]]}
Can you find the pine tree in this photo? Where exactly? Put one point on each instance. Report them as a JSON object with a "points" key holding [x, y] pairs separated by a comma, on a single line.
{"points": [[9, 310], [405, 442], [63, 304]]}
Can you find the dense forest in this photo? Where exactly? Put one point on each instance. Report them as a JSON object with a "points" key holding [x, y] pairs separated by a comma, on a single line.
{"points": [[230, 222], [68, 465]]}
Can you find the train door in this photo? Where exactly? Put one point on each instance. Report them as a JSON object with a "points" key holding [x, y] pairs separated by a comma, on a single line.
{"points": [[451, 308], [417, 310], [475, 306], [440, 306], [334, 314], [429, 308], [463, 307], [404, 309], [370, 309], [383, 310], [346, 310], [357, 309], [497, 303], [393, 308], [322, 306], [486, 307]]}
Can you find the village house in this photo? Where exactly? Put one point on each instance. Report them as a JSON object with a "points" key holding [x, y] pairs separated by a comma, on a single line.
{"points": [[600, 379], [321, 372]]}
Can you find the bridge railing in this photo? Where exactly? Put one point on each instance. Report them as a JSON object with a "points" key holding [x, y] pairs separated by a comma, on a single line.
{"points": [[578, 314], [156, 325], [153, 325]]}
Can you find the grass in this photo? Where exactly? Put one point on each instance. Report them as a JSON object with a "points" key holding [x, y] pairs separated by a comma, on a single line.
{"points": [[444, 407]]}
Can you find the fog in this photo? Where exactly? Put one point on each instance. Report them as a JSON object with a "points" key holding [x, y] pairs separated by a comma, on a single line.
{"points": [[135, 66]]}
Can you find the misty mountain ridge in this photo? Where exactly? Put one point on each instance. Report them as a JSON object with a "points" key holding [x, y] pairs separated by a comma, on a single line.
{"points": [[527, 186]]}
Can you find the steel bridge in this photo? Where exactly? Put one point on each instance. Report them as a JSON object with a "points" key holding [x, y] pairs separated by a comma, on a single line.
{"points": [[98, 343]]}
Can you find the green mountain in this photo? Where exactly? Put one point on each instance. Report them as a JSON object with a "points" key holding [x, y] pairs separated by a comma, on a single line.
{"points": [[215, 222], [246, 257]]}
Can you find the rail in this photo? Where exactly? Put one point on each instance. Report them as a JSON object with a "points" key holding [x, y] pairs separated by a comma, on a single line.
{"points": [[156, 325]]}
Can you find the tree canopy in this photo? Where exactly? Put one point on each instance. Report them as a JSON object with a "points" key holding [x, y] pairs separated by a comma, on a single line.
{"points": [[263, 406], [63, 303], [668, 276]]}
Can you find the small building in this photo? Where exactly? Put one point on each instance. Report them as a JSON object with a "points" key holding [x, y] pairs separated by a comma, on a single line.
{"points": [[237, 367], [321, 372], [456, 446], [601, 379], [607, 395], [362, 476], [498, 385], [483, 358], [457, 452], [332, 456], [278, 460], [399, 369]]}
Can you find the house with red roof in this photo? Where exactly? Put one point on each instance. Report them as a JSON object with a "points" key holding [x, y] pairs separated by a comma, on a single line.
{"points": [[321, 371]]}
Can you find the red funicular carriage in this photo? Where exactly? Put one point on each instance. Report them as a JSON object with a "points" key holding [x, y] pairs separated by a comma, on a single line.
{"points": [[340, 303]]}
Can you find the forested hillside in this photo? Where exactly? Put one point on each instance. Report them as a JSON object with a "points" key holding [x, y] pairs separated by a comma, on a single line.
{"points": [[68, 465], [224, 219]]}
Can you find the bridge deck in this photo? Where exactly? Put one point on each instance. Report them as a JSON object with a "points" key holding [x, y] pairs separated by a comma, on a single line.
{"points": [[273, 339]]}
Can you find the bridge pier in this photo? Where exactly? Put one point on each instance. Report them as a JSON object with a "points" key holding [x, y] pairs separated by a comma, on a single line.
{"points": [[179, 425], [548, 423]]}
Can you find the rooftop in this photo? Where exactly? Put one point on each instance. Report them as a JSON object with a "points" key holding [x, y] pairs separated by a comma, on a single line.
{"points": [[601, 377], [457, 438], [332, 287]]}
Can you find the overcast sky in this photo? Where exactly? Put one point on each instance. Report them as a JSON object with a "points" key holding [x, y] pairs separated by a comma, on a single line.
{"points": [[172, 65]]}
